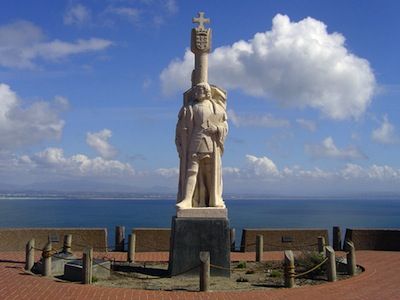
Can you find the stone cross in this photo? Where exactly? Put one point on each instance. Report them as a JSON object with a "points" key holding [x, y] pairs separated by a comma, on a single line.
{"points": [[201, 20]]}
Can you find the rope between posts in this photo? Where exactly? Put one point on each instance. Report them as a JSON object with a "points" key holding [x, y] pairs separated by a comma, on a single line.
{"points": [[219, 267], [312, 269]]}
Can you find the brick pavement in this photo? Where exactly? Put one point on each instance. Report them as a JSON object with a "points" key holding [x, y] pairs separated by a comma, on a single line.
{"points": [[380, 281]]}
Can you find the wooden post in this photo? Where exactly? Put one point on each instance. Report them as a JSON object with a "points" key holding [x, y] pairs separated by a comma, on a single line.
{"points": [[289, 269], [337, 238], [351, 258], [232, 239], [259, 247], [30, 255], [131, 247], [67, 247], [204, 271], [119, 238], [331, 263], [46, 259], [87, 264], [321, 245]]}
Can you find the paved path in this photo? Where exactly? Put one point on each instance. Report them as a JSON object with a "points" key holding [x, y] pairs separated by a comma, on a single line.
{"points": [[381, 280]]}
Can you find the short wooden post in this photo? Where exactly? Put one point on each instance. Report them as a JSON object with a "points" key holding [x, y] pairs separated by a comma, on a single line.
{"points": [[331, 263], [337, 238], [204, 271], [259, 247], [351, 258], [321, 245], [67, 246], [46, 259], [30, 255], [232, 239], [119, 238], [87, 263], [131, 247], [289, 268]]}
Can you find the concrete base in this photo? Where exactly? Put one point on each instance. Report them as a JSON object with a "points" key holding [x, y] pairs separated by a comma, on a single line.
{"points": [[73, 270], [192, 235], [203, 212], [57, 264]]}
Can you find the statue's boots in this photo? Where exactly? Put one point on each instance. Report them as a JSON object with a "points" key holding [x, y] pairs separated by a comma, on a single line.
{"points": [[185, 203]]}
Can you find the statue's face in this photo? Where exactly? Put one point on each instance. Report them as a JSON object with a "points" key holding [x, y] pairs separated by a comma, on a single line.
{"points": [[200, 93]]}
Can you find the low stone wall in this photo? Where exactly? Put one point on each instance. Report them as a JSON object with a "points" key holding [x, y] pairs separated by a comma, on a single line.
{"points": [[283, 239], [152, 239], [374, 239], [15, 239]]}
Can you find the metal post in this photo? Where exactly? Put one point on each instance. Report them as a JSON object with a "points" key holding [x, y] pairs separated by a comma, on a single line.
{"points": [[331, 263], [233, 238], [131, 247], [259, 247], [67, 247], [321, 245], [289, 269], [204, 271], [119, 238], [30, 255], [87, 264], [46, 258], [337, 238], [351, 258]]}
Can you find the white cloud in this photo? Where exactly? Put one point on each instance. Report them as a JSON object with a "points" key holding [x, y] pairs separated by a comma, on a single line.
{"points": [[385, 134], [265, 120], [24, 125], [99, 142], [130, 13], [53, 160], [22, 43], [298, 64], [328, 149], [171, 6], [77, 15], [168, 172], [261, 166], [307, 124]]}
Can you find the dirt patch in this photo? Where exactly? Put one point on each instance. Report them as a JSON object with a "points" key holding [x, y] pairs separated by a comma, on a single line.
{"points": [[244, 276]]}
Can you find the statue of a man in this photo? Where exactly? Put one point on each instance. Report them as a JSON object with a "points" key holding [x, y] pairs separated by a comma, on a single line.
{"points": [[200, 135]]}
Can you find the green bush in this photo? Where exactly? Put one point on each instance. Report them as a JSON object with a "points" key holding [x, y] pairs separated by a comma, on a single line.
{"points": [[275, 273], [308, 260], [241, 265]]}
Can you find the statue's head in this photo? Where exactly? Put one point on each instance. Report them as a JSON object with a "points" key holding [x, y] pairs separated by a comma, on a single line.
{"points": [[202, 91]]}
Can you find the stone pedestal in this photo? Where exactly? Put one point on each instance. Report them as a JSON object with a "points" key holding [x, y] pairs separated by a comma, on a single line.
{"points": [[190, 236]]}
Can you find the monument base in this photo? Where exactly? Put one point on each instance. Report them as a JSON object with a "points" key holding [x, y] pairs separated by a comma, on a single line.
{"points": [[189, 236]]}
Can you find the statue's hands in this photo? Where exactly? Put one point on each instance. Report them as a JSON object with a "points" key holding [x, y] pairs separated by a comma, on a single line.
{"points": [[211, 129]]}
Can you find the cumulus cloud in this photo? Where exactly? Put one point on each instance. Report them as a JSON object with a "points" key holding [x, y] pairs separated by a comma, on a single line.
{"points": [[77, 15], [385, 134], [99, 142], [307, 124], [263, 168], [298, 64], [265, 120], [53, 160], [328, 149], [22, 43], [24, 125]]}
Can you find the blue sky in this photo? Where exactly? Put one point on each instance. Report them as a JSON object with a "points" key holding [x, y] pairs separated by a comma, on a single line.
{"points": [[90, 91]]}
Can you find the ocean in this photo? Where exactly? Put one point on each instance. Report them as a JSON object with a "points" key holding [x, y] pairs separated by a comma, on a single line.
{"points": [[279, 213]]}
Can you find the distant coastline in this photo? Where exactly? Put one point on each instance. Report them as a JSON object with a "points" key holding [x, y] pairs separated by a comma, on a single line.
{"points": [[168, 196]]}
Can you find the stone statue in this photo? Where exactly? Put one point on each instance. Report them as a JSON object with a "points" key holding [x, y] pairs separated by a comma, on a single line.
{"points": [[201, 130]]}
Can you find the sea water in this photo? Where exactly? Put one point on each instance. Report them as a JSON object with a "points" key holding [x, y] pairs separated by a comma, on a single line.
{"points": [[133, 213]]}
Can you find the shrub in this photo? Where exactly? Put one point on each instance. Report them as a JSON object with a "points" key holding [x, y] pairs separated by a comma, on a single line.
{"points": [[308, 260]]}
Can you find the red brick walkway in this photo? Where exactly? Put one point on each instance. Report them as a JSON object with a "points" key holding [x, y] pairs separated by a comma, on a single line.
{"points": [[381, 280]]}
